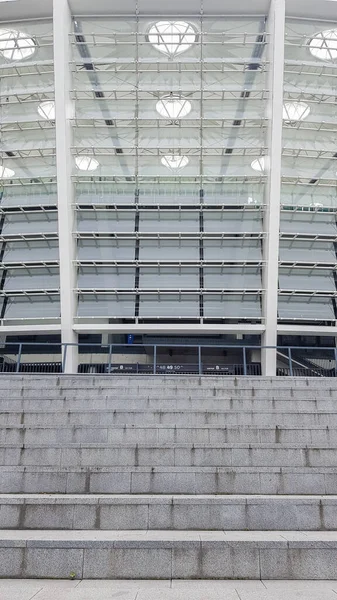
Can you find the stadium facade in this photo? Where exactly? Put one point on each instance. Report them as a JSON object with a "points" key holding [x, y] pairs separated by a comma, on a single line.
{"points": [[168, 169]]}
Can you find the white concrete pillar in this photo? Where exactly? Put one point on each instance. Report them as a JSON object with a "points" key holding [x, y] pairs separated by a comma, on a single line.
{"points": [[276, 31], [65, 189]]}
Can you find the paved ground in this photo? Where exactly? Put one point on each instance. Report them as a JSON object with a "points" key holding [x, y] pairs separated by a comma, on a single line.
{"points": [[30, 589]]}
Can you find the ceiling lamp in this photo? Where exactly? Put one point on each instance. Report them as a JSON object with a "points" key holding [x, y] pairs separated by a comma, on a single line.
{"points": [[46, 110], [6, 173], [172, 37], [324, 45], [260, 164], [16, 45], [86, 163], [173, 107], [295, 111], [174, 161]]}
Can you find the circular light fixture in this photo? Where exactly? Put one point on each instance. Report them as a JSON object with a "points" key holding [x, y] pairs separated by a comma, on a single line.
{"points": [[6, 173], [295, 111], [86, 163], [173, 107], [46, 110], [260, 164], [16, 45], [174, 161], [324, 45], [172, 37]]}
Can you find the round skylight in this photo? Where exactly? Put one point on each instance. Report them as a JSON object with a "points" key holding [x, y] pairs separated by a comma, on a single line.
{"points": [[295, 111], [260, 164], [172, 37], [6, 173], [324, 45], [46, 110], [174, 161], [173, 107], [16, 45], [86, 163]]}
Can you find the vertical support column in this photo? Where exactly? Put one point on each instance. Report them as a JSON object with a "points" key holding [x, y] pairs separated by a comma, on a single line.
{"points": [[276, 31], [65, 191]]}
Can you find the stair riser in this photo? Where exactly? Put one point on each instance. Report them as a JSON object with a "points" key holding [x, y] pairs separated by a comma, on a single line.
{"points": [[168, 392], [173, 404], [163, 560], [154, 456], [180, 419], [192, 481], [155, 436], [91, 381], [270, 515]]}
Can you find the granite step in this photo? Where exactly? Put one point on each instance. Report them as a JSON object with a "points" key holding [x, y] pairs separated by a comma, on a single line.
{"points": [[41, 404], [165, 434], [90, 381], [168, 512], [168, 554], [104, 455], [168, 480], [167, 391], [176, 417]]}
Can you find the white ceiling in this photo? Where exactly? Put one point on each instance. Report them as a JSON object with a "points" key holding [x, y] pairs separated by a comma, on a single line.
{"points": [[25, 9], [31, 9], [314, 9], [174, 7]]}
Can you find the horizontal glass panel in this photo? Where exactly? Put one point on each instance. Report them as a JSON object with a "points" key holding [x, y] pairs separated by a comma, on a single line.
{"points": [[106, 306], [169, 278], [248, 307], [308, 222], [232, 222], [299, 279], [106, 250], [32, 308], [35, 279], [105, 277], [105, 221], [305, 308], [307, 251], [169, 306], [168, 250], [37, 222], [31, 251], [232, 250], [169, 222], [232, 278]]}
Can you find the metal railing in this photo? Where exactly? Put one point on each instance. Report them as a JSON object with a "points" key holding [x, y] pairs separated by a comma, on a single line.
{"points": [[161, 359]]}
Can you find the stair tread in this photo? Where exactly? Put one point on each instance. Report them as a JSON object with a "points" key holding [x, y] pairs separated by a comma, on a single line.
{"points": [[164, 498], [165, 538], [173, 445], [51, 411], [134, 427], [168, 469]]}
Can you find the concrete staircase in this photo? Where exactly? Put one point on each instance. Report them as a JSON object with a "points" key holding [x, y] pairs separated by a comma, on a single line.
{"points": [[168, 477]]}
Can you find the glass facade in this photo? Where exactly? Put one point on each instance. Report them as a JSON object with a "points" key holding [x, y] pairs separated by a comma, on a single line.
{"points": [[307, 285], [169, 224]]}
